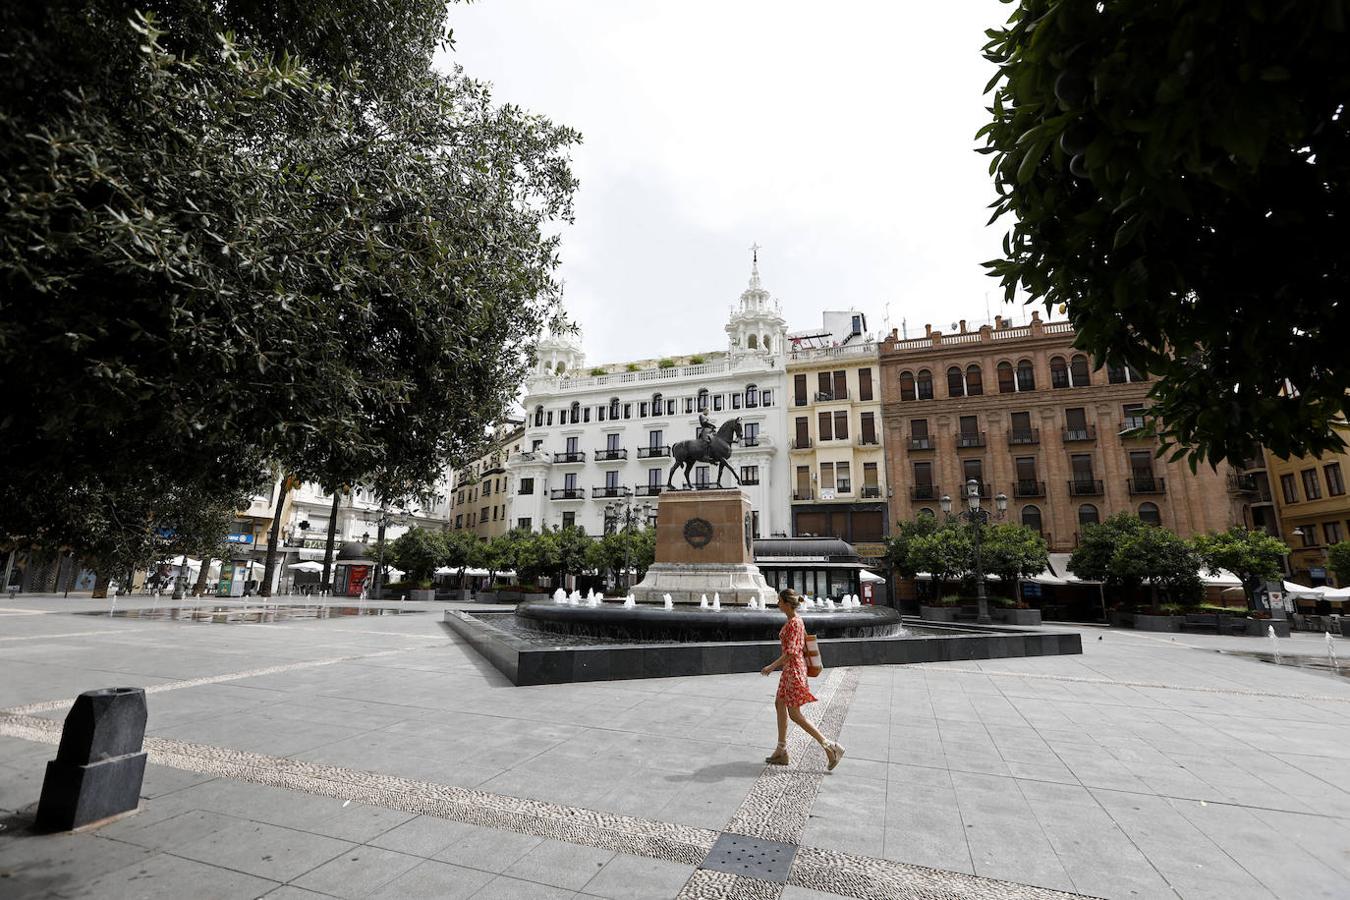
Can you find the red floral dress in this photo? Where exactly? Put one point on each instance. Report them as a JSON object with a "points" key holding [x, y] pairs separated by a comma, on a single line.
{"points": [[792, 685]]}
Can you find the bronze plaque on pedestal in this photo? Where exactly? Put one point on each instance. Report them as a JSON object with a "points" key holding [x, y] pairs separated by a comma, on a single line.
{"points": [[703, 527]]}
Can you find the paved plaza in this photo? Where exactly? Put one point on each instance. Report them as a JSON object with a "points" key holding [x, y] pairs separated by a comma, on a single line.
{"points": [[379, 756]]}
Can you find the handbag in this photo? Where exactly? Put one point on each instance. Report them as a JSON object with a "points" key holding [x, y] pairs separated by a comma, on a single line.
{"points": [[813, 664]]}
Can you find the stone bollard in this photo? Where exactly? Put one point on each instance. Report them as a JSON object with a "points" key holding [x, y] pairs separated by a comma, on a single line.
{"points": [[100, 765]]}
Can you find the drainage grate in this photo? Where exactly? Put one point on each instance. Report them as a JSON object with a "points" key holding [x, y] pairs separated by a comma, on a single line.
{"points": [[750, 857]]}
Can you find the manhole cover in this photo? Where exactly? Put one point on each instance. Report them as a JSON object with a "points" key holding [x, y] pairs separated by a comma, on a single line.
{"points": [[751, 857]]}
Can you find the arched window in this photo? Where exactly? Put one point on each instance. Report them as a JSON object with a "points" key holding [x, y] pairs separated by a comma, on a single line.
{"points": [[751, 396], [1078, 367], [1026, 375], [926, 511], [974, 381], [1006, 385], [1148, 514], [658, 407], [1087, 514], [702, 399], [956, 385], [907, 385], [561, 367], [1031, 518], [766, 343], [613, 407], [752, 342], [1059, 372], [538, 416], [923, 384], [576, 413]]}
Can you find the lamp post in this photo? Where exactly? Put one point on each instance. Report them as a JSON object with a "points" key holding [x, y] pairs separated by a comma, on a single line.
{"points": [[383, 521], [625, 511], [977, 517]]}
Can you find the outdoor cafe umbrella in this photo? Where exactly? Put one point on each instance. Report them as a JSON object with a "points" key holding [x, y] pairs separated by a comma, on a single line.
{"points": [[306, 566]]}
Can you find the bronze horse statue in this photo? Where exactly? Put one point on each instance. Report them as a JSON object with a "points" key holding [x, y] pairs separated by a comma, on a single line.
{"points": [[716, 449]]}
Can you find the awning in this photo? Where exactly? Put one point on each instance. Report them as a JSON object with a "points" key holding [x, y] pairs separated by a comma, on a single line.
{"points": [[306, 566], [867, 577]]}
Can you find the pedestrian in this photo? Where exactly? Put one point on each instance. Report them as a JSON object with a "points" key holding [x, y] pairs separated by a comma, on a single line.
{"points": [[793, 689]]}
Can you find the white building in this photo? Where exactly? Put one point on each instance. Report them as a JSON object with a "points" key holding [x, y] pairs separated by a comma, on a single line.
{"points": [[600, 436]]}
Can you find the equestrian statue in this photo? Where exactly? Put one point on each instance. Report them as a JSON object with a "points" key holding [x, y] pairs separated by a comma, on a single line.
{"points": [[713, 445]]}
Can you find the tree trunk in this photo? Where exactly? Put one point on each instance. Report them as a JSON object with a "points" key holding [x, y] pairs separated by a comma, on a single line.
{"points": [[200, 587], [101, 583], [273, 537], [326, 584]]}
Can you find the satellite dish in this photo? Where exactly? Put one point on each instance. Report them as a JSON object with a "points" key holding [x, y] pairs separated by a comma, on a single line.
{"points": [[955, 325]]}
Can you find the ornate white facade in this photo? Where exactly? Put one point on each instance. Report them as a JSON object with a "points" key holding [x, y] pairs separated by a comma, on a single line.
{"points": [[593, 440]]}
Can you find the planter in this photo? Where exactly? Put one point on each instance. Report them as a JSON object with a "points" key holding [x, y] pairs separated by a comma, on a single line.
{"points": [[422, 594], [1016, 616], [540, 596], [454, 595], [1157, 623], [938, 613], [1259, 627], [486, 597], [1121, 619], [509, 596]]}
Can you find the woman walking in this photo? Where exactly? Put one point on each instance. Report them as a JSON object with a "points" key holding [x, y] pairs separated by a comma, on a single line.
{"points": [[793, 690]]}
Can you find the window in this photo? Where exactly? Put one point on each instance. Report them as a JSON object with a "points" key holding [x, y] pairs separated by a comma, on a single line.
{"points": [[1312, 488], [483, 514], [841, 425], [571, 445], [870, 483], [570, 481], [1087, 514], [459, 521], [1075, 424], [923, 480], [803, 437], [1006, 382], [864, 384], [751, 396], [654, 477], [654, 439], [735, 401], [1021, 432], [538, 416], [569, 519], [585, 415], [717, 403], [1122, 374], [1027, 484], [613, 407], [869, 428], [670, 407], [688, 405], [702, 399], [827, 476], [536, 445], [970, 425], [1078, 370], [974, 381], [1031, 518], [1332, 532], [612, 442], [750, 434], [972, 468], [799, 390], [749, 474], [487, 488], [549, 418], [825, 425], [1081, 466], [611, 479], [657, 404], [575, 412], [1148, 514], [803, 489], [1141, 465], [1287, 489], [1026, 375], [701, 476], [752, 342], [1335, 485], [643, 408], [824, 386], [843, 479], [923, 383], [840, 387], [628, 410], [956, 385], [766, 398], [524, 523], [906, 385], [1308, 533], [1059, 372], [918, 434]]}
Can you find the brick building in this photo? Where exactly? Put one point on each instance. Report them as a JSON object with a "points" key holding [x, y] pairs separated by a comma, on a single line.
{"points": [[1022, 412], [1314, 511]]}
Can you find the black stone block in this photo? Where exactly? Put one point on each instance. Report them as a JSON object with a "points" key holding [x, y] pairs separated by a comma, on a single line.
{"points": [[99, 766]]}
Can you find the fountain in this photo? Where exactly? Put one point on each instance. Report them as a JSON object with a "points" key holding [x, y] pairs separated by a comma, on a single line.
{"points": [[1331, 653], [669, 603], [629, 602], [560, 596], [1274, 644], [717, 602], [703, 604]]}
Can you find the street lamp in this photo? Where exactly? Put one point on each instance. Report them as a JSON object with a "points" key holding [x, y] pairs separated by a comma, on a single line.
{"points": [[977, 517], [625, 511]]}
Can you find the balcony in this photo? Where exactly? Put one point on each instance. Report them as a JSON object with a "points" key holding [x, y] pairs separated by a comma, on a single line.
{"points": [[872, 441], [1146, 484], [970, 439], [609, 491], [1022, 488], [1024, 437], [920, 443], [843, 486], [1242, 484], [1085, 487], [649, 490], [831, 396], [572, 456], [1078, 435], [803, 494], [923, 492], [871, 492], [567, 494], [1131, 424], [751, 441], [750, 481], [800, 443], [653, 452], [615, 453]]}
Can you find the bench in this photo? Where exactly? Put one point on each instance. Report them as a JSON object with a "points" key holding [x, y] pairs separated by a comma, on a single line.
{"points": [[1213, 622]]}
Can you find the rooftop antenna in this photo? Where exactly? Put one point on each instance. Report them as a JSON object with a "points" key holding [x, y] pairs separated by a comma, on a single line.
{"points": [[904, 329]]}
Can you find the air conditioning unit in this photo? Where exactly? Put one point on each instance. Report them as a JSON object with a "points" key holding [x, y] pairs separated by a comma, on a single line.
{"points": [[827, 493]]}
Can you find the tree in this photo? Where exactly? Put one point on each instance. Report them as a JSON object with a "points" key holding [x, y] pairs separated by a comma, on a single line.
{"points": [[418, 552], [573, 551], [1091, 559], [1252, 556], [1338, 560], [501, 553], [1013, 552], [944, 553], [1155, 158], [461, 550], [234, 249], [900, 545], [1160, 559]]}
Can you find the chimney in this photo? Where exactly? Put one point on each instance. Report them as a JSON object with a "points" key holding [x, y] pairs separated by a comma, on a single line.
{"points": [[927, 330], [1036, 315], [998, 322], [963, 326]]}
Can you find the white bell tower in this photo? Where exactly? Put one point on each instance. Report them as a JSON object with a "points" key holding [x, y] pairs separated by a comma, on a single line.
{"points": [[757, 326]]}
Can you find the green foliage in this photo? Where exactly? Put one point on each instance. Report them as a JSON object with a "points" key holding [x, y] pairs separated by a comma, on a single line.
{"points": [[460, 550], [943, 553], [1013, 552], [1155, 158], [1250, 555], [665, 364], [1157, 557], [1338, 560], [1091, 559], [418, 552], [697, 360], [230, 249], [632, 367], [900, 545], [598, 370]]}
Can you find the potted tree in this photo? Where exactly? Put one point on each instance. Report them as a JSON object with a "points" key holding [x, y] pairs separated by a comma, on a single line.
{"points": [[1013, 552], [1253, 556], [417, 552], [460, 550], [944, 553]]}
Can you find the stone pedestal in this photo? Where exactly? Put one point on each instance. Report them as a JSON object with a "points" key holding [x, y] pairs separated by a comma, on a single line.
{"points": [[100, 765], [704, 546]]}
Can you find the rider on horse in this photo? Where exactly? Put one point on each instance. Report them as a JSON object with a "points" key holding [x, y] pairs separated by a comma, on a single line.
{"points": [[706, 429]]}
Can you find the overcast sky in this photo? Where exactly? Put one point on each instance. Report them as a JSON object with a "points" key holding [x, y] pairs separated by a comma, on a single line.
{"points": [[838, 136]]}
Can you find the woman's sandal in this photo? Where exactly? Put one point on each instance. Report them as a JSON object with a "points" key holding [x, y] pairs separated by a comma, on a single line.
{"points": [[779, 757], [833, 753]]}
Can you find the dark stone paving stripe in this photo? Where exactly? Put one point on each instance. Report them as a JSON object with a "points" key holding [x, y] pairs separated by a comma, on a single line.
{"points": [[867, 878]]}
